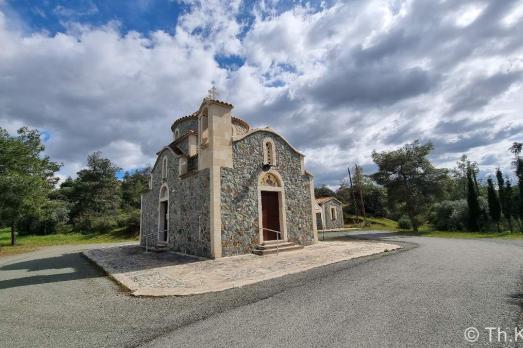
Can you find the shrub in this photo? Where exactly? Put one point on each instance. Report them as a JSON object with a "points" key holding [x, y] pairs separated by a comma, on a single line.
{"points": [[404, 223], [450, 215], [51, 218], [130, 219]]}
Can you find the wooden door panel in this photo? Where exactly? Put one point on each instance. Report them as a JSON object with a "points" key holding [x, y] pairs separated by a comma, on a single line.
{"points": [[270, 214]]}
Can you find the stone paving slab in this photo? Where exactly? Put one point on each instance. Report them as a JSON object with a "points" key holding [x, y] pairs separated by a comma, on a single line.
{"points": [[170, 273]]}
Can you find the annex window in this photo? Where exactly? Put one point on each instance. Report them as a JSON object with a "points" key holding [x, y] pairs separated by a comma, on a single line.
{"points": [[333, 213], [269, 153], [204, 128], [164, 168], [182, 165]]}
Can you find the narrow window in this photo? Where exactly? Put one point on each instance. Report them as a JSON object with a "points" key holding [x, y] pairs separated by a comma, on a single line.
{"points": [[204, 127], [269, 153], [182, 165], [176, 133], [151, 181], [164, 168], [268, 148], [333, 213]]}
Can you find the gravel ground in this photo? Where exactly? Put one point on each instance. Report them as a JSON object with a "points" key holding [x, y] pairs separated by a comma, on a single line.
{"points": [[421, 296]]}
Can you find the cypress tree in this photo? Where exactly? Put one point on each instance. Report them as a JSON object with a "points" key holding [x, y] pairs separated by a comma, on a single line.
{"points": [[494, 207], [507, 209], [473, 203], [519, 173]]}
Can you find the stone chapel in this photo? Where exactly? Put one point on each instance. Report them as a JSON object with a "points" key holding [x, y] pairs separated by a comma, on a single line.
{"points": [[222, 188]]}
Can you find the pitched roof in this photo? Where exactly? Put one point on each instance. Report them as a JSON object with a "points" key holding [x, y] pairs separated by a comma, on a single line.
{"points": [[324, 199]]}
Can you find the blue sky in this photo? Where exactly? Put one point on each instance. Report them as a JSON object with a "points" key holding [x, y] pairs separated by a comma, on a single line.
{"points": [[139, 15], [338, 79]]}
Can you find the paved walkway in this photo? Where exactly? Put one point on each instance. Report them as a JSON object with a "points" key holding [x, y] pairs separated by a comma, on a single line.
{"points": [[169, 273]]}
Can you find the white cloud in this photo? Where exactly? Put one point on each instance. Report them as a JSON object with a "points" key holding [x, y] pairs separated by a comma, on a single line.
{"points": [[337, 81], [468, 14]]}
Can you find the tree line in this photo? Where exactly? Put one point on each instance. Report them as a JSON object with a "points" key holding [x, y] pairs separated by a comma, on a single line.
{"points": [[95, 201], [408, 188]]}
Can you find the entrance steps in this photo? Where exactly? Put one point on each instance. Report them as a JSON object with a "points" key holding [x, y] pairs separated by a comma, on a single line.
{"points": [[161, 246], [275, 246]]}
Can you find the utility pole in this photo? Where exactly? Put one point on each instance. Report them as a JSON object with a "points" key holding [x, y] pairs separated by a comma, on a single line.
{"points": [[361, 198], [352, 194]]}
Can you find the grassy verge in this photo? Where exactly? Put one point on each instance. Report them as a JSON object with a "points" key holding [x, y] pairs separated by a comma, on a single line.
{"points": [[428, 231], [29, 243], [466, 235], [376, 224]]}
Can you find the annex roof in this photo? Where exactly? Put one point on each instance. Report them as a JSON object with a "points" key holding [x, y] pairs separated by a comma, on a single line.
{"points": [[324, 199]]}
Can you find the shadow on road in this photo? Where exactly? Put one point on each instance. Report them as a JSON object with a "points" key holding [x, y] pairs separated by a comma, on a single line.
{"points": [[23, 276]]}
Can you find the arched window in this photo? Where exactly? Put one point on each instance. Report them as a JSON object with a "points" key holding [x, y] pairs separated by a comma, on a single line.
{"points": [[204, 128], [164, 168], [269, 152], [164, 193], [176, 133]]}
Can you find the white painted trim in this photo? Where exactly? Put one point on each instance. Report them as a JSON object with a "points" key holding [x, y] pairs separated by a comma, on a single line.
{"points": [[160, 200], [269, 130], [313, 208], [281, 203]]}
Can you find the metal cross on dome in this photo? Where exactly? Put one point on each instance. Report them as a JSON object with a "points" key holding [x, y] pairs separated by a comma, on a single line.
{"points": [[213, 93]]}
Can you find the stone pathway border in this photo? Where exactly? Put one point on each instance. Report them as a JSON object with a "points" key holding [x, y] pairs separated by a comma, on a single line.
{"points": [[170, 273]]}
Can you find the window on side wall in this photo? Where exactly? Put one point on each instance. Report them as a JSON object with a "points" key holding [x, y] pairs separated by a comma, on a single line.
{"points": [[164, 168], [182, 165], [333, 213], [204, 128], [151, 181]]}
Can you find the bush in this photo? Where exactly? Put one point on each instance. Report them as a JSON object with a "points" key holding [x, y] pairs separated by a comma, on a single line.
{"points": [[95, 223], [449, 215], [404, 223], [51, 218], [130, 219]]}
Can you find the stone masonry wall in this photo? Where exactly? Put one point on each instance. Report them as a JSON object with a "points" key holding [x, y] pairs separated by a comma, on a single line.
{"points": [[239, 196], [188, 209], [329, 223], [189, 124]]}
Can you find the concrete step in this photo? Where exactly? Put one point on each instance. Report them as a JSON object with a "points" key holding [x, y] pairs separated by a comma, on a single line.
{"points": [[160, 246], [274, 241], [273, 249], [265, 246]]}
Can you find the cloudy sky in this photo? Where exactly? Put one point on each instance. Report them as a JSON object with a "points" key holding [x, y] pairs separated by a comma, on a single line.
{"points": [[336, 78]]}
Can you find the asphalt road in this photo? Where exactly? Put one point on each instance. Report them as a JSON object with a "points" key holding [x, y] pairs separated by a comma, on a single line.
{"points": [[424, 296]]}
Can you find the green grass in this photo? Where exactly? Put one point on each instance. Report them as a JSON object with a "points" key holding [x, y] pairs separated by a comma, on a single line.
{"points": [[376, 224], [428, 231], [29, 243]]}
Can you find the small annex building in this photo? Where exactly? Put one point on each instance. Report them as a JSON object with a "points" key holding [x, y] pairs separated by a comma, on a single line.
{"points": [[329, 213], [222, 188]]}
